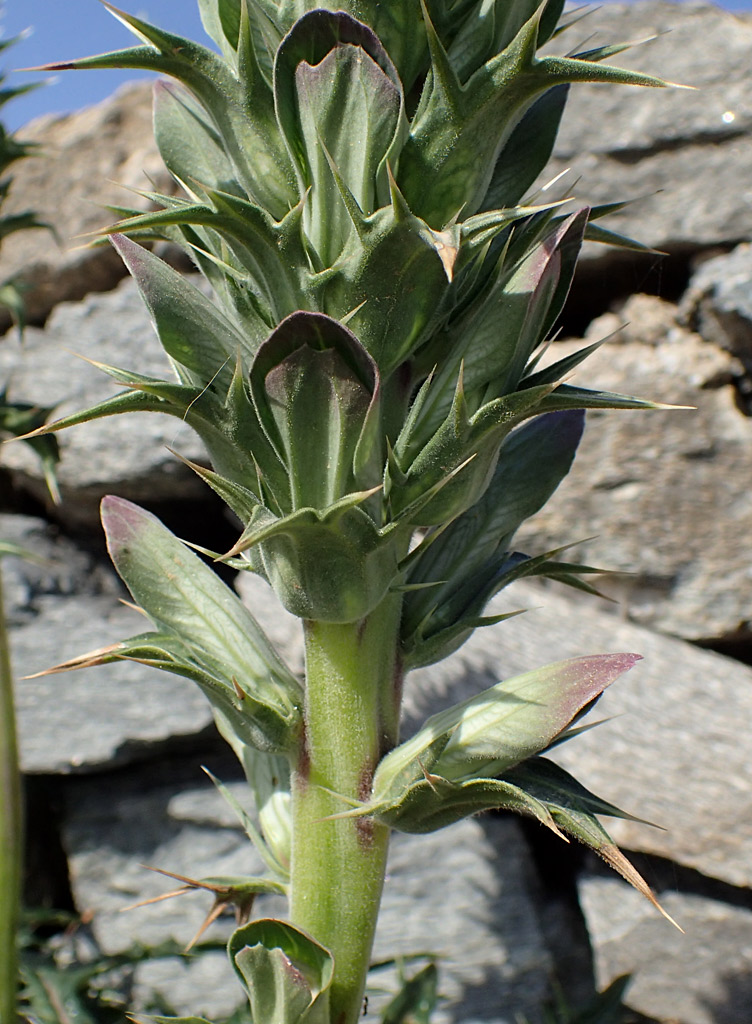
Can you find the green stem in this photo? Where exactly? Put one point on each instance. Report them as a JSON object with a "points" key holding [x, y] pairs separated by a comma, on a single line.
{"points": [[11, 848], [353, 691]]}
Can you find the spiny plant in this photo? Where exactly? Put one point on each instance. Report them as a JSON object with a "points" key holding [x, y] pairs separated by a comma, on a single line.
{"points": [[367, 377]]}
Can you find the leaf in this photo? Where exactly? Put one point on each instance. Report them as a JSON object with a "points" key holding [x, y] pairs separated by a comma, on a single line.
{"points": [[286, 973], [573, 809], [458, 566], [190, 328], [416, 1000], [185, 598], [504, 725]]}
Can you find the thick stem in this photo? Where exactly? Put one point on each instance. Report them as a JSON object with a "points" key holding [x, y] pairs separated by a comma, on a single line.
{"points": [[353, 691], [11, 850]]}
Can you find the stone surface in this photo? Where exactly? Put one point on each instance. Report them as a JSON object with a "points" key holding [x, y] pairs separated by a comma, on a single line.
{"points": [[84, 160], [97, 717], [126, 455], [718, 303], [664, 495], [701, 977], [439, 888], [683, 154], [57, 567]]}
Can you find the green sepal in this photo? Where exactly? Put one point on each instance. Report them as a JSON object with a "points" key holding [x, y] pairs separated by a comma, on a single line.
{"points": [[286, 973], [483, 737], [459, 129], [185, 599], [331, 564]]}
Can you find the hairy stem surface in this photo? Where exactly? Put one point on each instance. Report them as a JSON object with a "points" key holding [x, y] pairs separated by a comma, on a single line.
{"points": [[10, 831], [353, 690]]}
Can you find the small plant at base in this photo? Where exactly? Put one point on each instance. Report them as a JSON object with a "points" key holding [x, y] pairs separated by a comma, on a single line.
{"points": [[367, 379]]}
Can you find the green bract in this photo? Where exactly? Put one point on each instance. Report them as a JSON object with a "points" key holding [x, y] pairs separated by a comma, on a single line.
{"points": [[365, 367]]}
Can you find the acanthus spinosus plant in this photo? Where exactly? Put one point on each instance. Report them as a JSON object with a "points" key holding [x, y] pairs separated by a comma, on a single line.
{"points": [[366, 377]]}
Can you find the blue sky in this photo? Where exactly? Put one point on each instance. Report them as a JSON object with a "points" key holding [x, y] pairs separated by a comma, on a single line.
{"points": [[63, 29]]}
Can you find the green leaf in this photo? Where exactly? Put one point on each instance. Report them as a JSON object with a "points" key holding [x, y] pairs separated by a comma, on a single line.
{"points": [[286, 973], [188, 142], [466, 557], [252, 142], [459, 129], [183, 597], [416, 1000], [573, 809], [489, 733], [191, 329]]}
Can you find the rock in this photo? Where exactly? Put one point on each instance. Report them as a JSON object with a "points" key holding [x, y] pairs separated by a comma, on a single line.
{"points": [[702, 977], [84, 160], [56, 568], [439, 888], [682, 154], [663, 495], [110, 715], [718, 303], [126, 455]]}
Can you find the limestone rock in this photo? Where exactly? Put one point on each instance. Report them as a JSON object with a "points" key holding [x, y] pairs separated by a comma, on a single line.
{"points": [[665, 495], [126, 455], [83, 160], [109, 715], [682, 154], [701, 977], [718, 303]]}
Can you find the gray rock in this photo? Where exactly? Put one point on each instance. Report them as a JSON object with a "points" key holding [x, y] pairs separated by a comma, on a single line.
{"points": [[466, 895], [123, 454], [101, 716], [701, 977], [663, 495], [83, 162], [56, 567], [683, 154], [718, 303]]}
